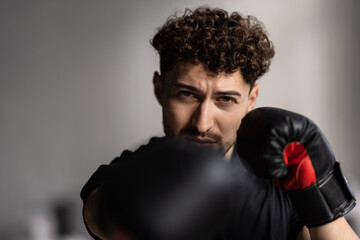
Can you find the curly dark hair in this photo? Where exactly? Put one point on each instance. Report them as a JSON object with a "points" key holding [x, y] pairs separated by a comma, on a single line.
{"points": [[219, 41]]}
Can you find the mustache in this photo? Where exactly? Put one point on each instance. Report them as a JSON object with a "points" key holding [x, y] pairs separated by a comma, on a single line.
{"points": [[194, 133]]}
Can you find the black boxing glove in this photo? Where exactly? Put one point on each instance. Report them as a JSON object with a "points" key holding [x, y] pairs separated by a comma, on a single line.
{"points": [[291, 149], [168, 189]]}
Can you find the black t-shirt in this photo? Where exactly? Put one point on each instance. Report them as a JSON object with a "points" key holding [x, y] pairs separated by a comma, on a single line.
{"points": [[264, 213], [259, 209]]}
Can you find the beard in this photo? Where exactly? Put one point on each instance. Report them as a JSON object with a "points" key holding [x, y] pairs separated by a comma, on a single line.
{"points": [[191, 132]]}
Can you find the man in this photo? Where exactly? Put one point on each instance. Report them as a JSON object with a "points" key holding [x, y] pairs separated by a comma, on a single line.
{"points": [[209, 64]]}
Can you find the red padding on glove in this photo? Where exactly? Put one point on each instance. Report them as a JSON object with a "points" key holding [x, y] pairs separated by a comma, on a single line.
{"points": [[301, 171]]}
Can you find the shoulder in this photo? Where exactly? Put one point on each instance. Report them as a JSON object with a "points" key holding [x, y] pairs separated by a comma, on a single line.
{"points": [[127, 155], [107, 171]]}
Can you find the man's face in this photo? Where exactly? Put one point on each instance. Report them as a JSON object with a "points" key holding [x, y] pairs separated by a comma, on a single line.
{"points": [[203, 107]]}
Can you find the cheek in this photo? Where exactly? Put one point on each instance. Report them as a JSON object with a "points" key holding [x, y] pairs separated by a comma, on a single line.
{"points": [[230, 123], [177, 116]]}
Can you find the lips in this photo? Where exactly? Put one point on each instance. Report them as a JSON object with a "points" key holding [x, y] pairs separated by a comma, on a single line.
{"points": [[201, 140]]}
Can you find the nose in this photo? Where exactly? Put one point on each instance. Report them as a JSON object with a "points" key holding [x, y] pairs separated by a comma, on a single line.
{"points": [[203, 119]]}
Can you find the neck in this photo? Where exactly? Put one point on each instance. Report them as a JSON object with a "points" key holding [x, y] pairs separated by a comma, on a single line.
{"points": [[229, 153]]}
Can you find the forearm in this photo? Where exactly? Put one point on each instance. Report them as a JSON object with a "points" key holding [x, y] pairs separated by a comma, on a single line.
{"points": [[338, 229]]}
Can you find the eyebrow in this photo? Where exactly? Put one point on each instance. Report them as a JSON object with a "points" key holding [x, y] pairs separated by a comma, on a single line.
{"points": [[232, 93], [181, 85]]}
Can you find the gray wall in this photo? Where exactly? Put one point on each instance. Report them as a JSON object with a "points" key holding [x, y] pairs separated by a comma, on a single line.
{"points": [[75, 88]]}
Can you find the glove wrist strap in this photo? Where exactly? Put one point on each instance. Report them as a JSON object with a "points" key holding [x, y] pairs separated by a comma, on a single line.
{"points": [[326, 200]]}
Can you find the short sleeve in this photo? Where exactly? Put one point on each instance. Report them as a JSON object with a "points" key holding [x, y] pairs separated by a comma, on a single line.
{"points": [[104, 173]]}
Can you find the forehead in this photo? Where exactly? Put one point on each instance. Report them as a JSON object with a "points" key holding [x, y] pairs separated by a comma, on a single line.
{"points": [[202, 79]]}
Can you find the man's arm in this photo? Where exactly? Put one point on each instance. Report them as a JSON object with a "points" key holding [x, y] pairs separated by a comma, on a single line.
{"points": [[292, 150], [92, 218], [303, 234], [136, 203], [91, 214], [338, 229]]}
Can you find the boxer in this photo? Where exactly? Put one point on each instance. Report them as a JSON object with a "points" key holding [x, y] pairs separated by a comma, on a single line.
{"points": [[209, 63]]}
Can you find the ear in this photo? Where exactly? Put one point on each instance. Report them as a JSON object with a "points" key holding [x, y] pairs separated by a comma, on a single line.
{"points": [[253, 96], [158, 85]]}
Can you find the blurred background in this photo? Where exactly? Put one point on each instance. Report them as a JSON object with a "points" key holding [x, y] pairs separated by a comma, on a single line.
{"points": [[76, 90]]}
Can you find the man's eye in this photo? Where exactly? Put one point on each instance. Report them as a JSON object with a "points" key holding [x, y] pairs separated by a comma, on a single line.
{"points": [[226, 99], [186, 94]]}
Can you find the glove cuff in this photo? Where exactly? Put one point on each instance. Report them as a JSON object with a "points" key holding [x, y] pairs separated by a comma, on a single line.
{"points": [[326, 200]]}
